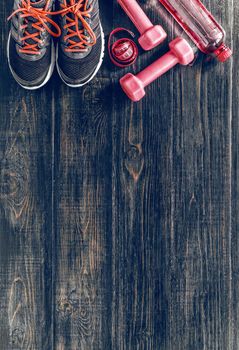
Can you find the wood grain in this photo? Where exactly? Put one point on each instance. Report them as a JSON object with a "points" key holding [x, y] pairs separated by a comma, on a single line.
{"points": [[25, 234], [25, 211], [234, 208], [172, 222], [119, 221], [82, 212]]}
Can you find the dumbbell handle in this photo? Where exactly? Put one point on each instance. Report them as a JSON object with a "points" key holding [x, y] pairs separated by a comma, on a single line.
{"points": [[136, 14], [158, 68]]}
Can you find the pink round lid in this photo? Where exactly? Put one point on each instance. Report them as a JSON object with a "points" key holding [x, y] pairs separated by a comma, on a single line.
{"points": [[223, 53]]}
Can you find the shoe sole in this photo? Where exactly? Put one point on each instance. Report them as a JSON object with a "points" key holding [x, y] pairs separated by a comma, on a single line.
{"points": [[96, 70], [48, 76]]}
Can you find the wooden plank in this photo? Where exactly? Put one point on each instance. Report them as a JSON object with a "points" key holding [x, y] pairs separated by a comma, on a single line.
{"points": [[82, 270], [25, 210], [139, 147], [200, 249], [25, 217], [234, 322], [171, 216], [83, 217]]}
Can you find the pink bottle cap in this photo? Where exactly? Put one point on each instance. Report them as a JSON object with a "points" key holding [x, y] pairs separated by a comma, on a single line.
{"points": [[223, 53]]}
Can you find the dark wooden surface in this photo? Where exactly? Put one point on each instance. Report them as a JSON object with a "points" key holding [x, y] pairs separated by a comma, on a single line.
{"points": [[119, 221]]}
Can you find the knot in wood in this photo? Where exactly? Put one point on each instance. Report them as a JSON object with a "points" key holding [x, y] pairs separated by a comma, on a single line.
{"points": [[134, 162]]}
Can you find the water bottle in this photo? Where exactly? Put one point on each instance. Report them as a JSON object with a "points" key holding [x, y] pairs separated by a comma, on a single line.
{"points": [[201, 27]]}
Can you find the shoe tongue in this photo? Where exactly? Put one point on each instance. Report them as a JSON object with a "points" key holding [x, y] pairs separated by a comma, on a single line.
{"points": [[30, 29], [80, 25]]}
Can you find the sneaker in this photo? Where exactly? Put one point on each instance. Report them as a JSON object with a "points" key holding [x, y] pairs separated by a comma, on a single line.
{"points": [[81, 48], [30, 49]]}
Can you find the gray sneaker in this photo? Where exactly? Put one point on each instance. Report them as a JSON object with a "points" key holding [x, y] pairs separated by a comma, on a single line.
{"points": [[30, 48], [80, 50]]}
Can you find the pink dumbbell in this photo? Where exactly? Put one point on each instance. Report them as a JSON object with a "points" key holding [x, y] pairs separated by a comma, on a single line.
{"points": [[151, 36], [180, 52]]}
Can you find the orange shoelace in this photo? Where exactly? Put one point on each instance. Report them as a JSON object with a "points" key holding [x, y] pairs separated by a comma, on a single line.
{"points": [[43, 23], [80, 11], [77, 7]]}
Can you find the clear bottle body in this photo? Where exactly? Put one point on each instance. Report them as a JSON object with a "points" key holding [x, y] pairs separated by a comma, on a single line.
{"points": [[200, 25]]}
